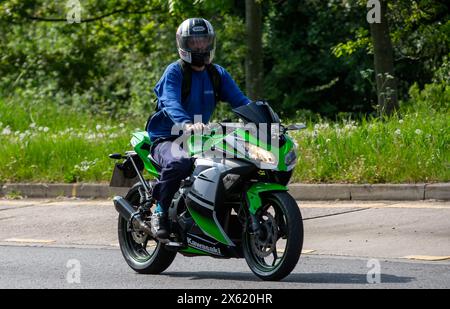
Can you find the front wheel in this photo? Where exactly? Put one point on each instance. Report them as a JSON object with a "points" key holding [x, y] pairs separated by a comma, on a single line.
{"points": [[273, 252], [143, 254]]}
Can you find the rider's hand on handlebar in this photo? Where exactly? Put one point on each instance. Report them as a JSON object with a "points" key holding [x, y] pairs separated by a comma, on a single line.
{"points": [[194, 127]]}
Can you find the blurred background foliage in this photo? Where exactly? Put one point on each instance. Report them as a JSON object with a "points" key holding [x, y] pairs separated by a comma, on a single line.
{"points": [[318, 57]]}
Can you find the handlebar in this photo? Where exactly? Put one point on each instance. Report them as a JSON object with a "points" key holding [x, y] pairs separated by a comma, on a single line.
{"points": [[212, 128]]}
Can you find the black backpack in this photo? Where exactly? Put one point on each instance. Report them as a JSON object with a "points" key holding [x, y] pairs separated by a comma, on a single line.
{"points": [[186, 69]]}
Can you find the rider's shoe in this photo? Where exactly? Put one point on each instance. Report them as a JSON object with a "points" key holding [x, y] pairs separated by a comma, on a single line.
{"points": [[160, 225]]}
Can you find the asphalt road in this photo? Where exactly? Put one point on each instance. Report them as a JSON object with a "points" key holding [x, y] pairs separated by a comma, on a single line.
{"points": [[31, 267], [44, 243]]}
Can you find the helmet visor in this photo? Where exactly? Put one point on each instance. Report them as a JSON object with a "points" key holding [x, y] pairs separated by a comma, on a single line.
{"points": [[197, 44]]}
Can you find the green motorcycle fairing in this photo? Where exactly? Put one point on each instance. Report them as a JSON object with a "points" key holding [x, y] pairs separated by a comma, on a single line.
{"points": [[142, 144], [254, 194], [206, 218], [286, 155]]}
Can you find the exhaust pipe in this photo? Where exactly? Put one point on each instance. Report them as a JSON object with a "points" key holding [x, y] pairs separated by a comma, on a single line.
{"points": [[125, 209], [129, 213]]}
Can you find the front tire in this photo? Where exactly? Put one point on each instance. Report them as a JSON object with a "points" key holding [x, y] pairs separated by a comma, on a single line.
{"points": [[281, 224], [142, 254]]}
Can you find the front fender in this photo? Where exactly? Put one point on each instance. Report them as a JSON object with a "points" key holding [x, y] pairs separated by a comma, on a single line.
{"points": [[253, 194]]}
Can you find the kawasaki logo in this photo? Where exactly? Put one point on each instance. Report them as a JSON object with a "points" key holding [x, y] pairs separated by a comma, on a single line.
{"points": [[203, 247]]}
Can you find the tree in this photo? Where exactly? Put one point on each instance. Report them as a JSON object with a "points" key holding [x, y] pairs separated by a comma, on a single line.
{"points": [[384, 62], [254, 58], [111, 60], [302, 72]]}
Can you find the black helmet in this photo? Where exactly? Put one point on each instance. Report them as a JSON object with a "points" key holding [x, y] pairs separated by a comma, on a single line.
{"points": [[196, 41]]}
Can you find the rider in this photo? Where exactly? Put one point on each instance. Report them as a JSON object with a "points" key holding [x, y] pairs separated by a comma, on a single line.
{"points": [[196, 42]]}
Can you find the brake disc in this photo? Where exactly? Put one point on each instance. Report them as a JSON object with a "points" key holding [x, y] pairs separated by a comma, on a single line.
{"points": [[264, 242], [139, 237]]}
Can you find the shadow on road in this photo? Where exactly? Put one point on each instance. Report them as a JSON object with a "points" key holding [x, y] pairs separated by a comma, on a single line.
{"points": [[311, 278], [341, 278]]}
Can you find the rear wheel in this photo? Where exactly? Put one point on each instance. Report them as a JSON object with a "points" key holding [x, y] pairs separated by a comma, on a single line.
{"points": [[142, 253], [273, 252]]}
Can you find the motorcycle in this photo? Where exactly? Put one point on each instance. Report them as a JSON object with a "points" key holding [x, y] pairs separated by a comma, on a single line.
{"points": [[235, 204]]}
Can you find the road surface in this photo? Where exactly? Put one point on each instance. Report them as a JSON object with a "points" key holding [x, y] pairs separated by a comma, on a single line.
{"points": [[43, 243]]}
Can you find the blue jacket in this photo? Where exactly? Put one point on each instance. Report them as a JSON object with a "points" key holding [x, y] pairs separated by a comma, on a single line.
{"points": [[200, 101]]}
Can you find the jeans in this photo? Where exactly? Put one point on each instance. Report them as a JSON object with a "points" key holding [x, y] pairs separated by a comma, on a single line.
{"points": [[176, 165]]}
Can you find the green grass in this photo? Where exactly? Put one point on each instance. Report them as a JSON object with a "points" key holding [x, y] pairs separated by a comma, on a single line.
{"points": [[408, 150], [57, 144]]}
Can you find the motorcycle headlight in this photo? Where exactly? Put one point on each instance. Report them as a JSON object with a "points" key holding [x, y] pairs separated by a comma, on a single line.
{"points": [[259, 154]]}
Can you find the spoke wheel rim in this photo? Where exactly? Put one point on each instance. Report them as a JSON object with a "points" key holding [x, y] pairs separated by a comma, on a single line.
{"points": [[268, 248], [141, 247]]}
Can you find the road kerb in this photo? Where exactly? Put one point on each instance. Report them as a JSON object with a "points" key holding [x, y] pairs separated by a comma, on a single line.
{"points": [[302, 192]]}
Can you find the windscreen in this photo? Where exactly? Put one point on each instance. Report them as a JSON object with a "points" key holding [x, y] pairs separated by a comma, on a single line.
{"points": [[257, 112]]}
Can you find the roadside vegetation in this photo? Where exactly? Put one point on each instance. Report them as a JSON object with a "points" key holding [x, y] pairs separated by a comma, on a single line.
{"points": [[53, 143], [71, 93]]}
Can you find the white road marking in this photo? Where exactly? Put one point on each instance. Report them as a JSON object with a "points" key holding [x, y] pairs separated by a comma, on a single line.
{"points": [[30, 241], [426, 257]]}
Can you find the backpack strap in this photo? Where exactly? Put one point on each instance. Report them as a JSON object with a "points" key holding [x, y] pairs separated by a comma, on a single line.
{"points": [[186, 85], [213, 74], [216, 80], [150, 117], [186, 70]]}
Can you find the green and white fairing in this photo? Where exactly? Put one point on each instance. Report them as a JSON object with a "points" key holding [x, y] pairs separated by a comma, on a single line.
{"points": [[234, 204], [225, 162]]}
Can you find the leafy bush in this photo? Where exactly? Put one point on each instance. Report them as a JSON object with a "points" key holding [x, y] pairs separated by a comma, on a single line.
{"points": [[435, 96]]}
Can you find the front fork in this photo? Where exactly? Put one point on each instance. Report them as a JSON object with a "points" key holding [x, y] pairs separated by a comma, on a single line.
{"points": [[254, 202]]}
